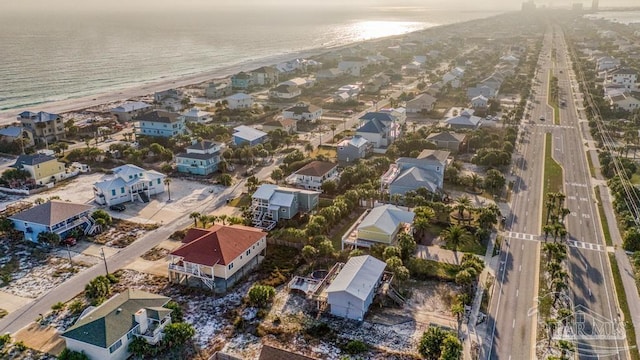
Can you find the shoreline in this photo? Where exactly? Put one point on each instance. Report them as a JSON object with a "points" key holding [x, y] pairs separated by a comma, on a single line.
{"points": [[146, 88]]}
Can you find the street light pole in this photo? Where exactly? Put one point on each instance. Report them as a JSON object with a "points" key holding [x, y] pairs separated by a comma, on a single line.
{"points": [[106, 268]]}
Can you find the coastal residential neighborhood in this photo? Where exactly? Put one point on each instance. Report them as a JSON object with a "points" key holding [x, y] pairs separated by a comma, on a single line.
{"points": [[462, 192]]}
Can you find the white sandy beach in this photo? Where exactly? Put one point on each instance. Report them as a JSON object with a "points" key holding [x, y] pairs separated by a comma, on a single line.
{"points": [[74, 104]]}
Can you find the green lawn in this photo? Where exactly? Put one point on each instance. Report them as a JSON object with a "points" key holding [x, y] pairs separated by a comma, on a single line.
{"points": [[603, 220], [243, 200], [336, 239], [624, 306], [592, 169], [553, 103], [635, 179], [552, 173]]}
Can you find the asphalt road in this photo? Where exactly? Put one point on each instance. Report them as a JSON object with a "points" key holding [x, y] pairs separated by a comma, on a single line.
{"points": [[512, 322], [589, 269]]}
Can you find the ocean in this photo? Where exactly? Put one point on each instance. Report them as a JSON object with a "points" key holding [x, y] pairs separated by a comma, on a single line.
{"points": [[45, 58], [622, 17]]}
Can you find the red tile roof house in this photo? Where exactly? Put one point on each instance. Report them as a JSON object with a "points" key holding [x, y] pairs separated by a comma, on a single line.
{"points": [[216, 258]]}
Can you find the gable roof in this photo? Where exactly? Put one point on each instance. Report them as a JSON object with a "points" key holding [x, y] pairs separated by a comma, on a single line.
{"points": [[386, 218], [269, 352], [358, 277], [138, 105], [248, 133], [372, 126], [11, 131], [466, 118], [104, 325], [51, 213], [31, 160], [220, 244], [446, 136], [239, 96], [159, 116], [356, 141], [316, 168], [435, 155], [421, 99], [415, 177], [41, 116], [203, 145], [303, 108], [378, 115]]}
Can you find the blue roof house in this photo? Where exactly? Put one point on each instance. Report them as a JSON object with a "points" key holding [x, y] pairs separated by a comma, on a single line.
{"points": [[245, 135]]}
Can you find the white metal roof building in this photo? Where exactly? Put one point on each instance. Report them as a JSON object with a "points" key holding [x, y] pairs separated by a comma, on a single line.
{"points": [[353, 289]]}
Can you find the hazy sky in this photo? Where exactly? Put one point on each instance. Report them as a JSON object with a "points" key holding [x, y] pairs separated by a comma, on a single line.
{"points": [[176, 5]]}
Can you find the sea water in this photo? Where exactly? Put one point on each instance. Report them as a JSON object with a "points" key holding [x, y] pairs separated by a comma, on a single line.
{"points": [[48, 57]]}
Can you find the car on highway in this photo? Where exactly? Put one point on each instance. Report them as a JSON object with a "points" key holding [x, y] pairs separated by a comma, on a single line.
{"points": [[118, 207]]}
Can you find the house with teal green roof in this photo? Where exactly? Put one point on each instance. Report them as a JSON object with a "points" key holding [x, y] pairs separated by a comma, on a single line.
{"points": [[105, 332]]}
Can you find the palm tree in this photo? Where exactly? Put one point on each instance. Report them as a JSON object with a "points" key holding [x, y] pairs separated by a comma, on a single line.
{"points": [[195, 216], [457, 309], [547, 229], [474, 179], [551, 328], [308, 148], [563, 214], [487, 218], [223, 219], [204, 220], [549, 205], [333, 131], [167, 182], [454, 236], [462, 203]]}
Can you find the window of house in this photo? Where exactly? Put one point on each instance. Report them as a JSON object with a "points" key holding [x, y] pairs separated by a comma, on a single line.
{"points": [[113, 192], [115, 346], [248, 252], [230, 266], [122, 190], [158, 181]]}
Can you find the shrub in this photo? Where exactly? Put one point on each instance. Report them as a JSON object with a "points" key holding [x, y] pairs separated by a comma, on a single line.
{"points": [[176, 314], [58, 306], [5, 339], [76, 307], [261, 295], [67, 354], [319, 330], [355, 347]]}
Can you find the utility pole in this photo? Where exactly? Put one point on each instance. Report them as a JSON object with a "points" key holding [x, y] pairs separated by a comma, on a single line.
{"points": [[106, 268], [69, 253]]}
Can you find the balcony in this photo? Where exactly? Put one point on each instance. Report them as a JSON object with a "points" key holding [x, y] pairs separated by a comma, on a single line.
{"points": [[154, 333], [189, 270]]}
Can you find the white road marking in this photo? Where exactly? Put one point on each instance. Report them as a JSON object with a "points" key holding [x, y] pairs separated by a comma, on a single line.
{"points": [[517, 292], [513, 325], [520, 268]]}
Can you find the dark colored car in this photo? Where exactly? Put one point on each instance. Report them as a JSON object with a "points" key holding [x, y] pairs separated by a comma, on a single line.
{"points": [[69, 241], [117, 207]]}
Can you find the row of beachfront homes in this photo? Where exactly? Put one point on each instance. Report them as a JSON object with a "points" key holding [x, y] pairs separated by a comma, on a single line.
{"points": [[216, 258]]}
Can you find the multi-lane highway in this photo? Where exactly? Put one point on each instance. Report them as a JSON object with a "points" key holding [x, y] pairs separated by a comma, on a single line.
{"points": [[591, 287], [512, 325], [513, 321]]}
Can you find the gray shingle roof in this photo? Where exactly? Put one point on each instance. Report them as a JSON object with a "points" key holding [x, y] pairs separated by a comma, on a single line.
{"points": [[31, 160], [110, 321], [51, 213]]}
